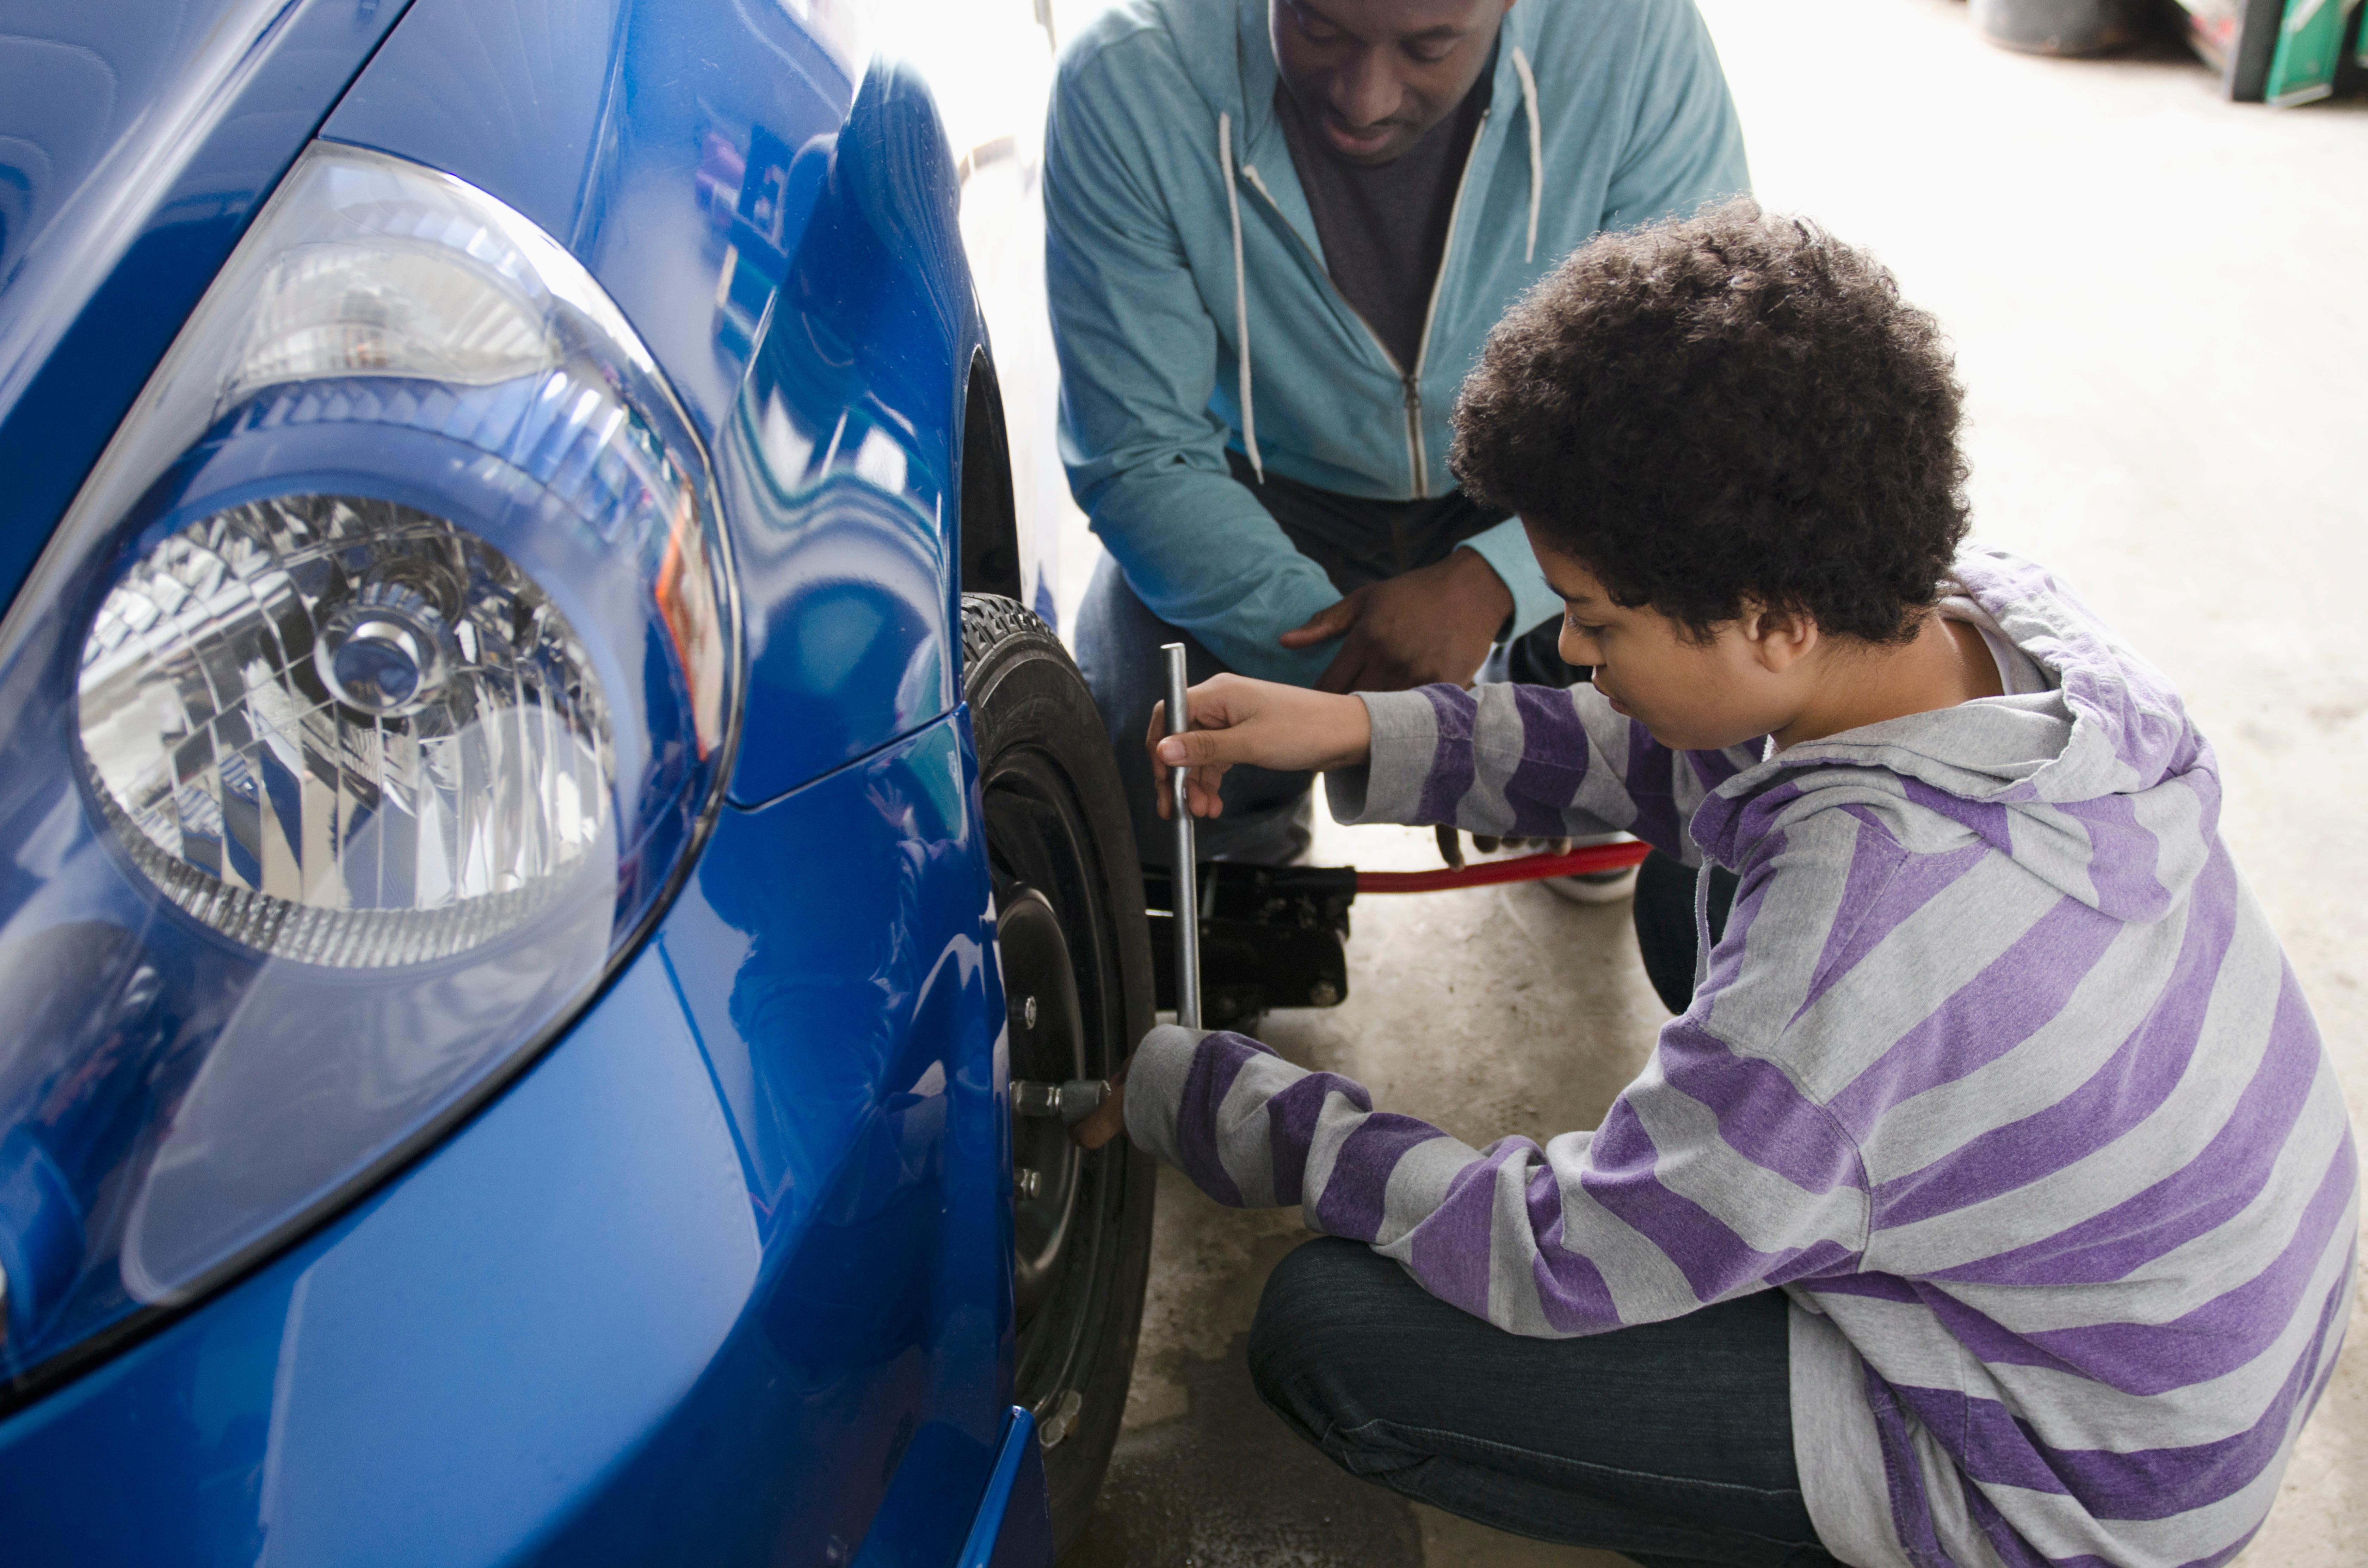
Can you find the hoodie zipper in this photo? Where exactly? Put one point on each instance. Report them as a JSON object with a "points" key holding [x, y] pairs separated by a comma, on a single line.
{"points": [[1422, 344], [1410, 382]]}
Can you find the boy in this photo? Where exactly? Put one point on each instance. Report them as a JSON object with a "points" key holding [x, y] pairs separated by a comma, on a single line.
{"points": [[1993, 1201]]}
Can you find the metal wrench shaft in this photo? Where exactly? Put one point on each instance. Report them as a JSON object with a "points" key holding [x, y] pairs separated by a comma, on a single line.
{"points": [[1187, 880]]}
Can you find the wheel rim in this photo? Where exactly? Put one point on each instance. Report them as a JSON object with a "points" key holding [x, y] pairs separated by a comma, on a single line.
{"points": [[1048, 1045], [1053, 925]]}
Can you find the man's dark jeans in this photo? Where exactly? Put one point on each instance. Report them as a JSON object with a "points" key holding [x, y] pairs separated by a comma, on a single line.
{"points": [[1671, 1442], [1664, 914]]}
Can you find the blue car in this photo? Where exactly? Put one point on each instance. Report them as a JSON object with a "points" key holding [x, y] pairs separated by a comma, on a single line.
{"points": [[548, 880]]}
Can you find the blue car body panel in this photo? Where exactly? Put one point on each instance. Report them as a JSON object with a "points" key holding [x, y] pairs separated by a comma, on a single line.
{"points": [[724, 1277], [785, 239], [135, 147], [592, 118], [1014, 1527], [723, 1269]]}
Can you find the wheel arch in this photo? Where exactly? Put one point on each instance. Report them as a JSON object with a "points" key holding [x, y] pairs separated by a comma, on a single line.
{"points": [[987, 520]]}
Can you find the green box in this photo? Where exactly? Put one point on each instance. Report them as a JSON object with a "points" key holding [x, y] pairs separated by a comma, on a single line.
{"points": [[2281, 52], [2310, 44]]}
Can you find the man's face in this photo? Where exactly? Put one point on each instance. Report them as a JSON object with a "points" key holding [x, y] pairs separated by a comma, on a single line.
{"points": [[1375, 75], [1688, 695]]}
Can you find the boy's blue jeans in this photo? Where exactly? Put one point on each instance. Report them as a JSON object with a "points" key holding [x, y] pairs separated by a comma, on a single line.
{"points": [[1670, 1442]]}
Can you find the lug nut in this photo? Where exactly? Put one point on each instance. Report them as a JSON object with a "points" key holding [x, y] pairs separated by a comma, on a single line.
{"points": [[1072, 1102], [1057, 1416], [1027, 1181], [1028, 1013]]}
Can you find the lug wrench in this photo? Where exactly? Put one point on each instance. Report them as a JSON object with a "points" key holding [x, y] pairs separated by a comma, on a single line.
{"points": [[1078, 1098], [1186, 878]]}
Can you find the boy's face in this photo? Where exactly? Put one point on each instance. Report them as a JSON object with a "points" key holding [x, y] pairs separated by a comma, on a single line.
{"points": [[1690, 696]]}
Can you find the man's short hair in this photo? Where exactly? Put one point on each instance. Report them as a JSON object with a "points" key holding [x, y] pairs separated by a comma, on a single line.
{"points": [[1732, 407]]}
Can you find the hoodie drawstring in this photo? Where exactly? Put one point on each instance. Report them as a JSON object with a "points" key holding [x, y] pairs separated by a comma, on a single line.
{"points": [[1537, 160], [1701, 926], [1241, 277], [1242, 291]]}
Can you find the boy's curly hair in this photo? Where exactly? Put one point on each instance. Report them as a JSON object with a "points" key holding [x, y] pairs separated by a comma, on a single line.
{"points": [[1734, 406]]}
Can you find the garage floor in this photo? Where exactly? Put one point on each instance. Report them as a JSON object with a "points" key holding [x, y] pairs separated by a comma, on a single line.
{"points": [[2162, 305]]}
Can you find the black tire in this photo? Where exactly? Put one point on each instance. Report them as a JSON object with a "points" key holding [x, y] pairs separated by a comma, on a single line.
{"points": [[1068, 893]]}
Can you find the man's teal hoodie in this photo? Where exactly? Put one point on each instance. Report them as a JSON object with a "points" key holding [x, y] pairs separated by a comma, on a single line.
{"points": [[1193, 313]]}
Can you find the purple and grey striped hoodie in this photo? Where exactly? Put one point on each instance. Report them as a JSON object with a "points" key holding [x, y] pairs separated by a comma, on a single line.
{"points": [[1999, 1073]]}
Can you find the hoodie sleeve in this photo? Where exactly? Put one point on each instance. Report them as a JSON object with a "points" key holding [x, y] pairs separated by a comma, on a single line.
{"points": [[1536, 761], [1685, 143], [1711, 1178], [1139, 360]]}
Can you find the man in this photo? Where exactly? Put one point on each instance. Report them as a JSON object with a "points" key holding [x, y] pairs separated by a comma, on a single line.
{"points": [[1277, 233]]}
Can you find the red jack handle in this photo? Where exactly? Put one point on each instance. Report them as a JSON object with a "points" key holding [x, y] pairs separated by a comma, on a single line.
{"points": [[1523, 868]]}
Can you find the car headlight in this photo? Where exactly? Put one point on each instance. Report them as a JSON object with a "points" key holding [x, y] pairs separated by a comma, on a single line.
{"points": [[344, 731], [361, 713]]}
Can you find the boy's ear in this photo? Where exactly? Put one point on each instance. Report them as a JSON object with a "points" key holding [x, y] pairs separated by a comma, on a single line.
{"points": [[1779, 638]]}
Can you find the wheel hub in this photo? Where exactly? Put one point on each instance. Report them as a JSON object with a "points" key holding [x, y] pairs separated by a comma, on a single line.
{"points": [[1048, 1045]]}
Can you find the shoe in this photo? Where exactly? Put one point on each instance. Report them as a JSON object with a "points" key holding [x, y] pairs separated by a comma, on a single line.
{"points": [[1596, 887], [1593, 887]]}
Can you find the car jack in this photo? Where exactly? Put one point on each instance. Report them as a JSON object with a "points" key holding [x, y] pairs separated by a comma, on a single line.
{"points": [[1276, 936]]}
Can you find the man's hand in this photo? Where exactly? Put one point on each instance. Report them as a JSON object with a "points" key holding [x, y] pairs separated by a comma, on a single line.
{"points": [[1257, 722], [1432, 624]]}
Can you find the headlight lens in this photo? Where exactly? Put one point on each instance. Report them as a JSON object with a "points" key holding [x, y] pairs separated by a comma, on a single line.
{"points": [[342, 731], [360, 716], [337, 308]]}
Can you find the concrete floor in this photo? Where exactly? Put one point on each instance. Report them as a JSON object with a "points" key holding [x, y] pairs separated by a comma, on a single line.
{"points": [[2161, 307]]}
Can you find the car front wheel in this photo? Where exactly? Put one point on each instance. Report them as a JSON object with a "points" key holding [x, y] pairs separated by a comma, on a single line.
{"points": [[1076, 954]]}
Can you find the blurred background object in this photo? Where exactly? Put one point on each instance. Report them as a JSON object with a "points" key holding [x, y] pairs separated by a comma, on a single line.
{"points": [[2281, 52], [2063, 26]]}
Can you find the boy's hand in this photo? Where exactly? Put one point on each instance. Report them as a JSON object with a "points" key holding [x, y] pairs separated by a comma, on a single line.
{"points": [[1257, 722], [1108, 1118]]}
